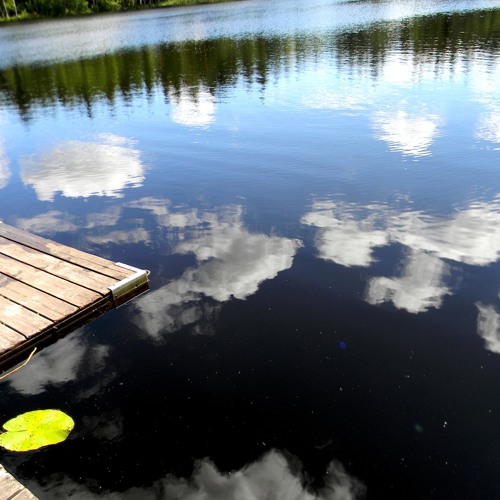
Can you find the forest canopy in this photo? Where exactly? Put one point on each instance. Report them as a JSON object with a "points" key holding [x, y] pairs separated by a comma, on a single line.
{"points": [[32, 9]]}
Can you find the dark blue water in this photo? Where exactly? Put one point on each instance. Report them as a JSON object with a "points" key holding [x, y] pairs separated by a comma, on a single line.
{"points": [[315, 189]]}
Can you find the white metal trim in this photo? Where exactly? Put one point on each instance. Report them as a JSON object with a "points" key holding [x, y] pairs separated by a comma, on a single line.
{"points": [[128, 284]]}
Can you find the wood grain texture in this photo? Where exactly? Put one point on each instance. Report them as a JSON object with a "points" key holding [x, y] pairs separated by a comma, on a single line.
{"points": [[41, 280], [11, 489], [63, 252], [66, 270], [36, 300], [48, 289]]}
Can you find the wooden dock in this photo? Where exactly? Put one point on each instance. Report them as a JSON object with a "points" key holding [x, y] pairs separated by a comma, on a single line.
{"points": [[48, 289], [10, 489]]}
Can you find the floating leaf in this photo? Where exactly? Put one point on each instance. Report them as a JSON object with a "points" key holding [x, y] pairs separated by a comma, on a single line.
{"points": [[35, 429]]}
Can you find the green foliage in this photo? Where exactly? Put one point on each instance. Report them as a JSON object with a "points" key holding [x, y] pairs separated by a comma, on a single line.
{"points": [[175, 3], [106, 5], [169, 67], [8, 8], [215, 64], [35, 429], [21, 9]]}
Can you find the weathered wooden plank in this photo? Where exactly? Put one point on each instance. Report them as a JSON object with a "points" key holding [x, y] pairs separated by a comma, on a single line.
{"points": [[53, 285], [55, 331], [48, 290], [9, 338], [23, 494], [20, 319], [11, 489], [50, 264], [63, 252], [37, 301]]}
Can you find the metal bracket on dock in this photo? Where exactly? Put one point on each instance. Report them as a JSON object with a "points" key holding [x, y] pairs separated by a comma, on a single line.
{"points": [[130, 287]]}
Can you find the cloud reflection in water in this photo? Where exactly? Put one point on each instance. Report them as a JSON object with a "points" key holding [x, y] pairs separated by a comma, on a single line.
{"points": [[55, 221], [4, 168], [349, 234], [419, 288], [488, 128], [410, 134], [267, 478], [471, 236], [182, 220], [81, 169], [487, 93], [58, 364], [194, 109], [488, 326], [341, 237], [125, 237], [232, 262], [49, 222]]}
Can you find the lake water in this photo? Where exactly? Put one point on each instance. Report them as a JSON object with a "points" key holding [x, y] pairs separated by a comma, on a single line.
{"points": [[315, 188]]}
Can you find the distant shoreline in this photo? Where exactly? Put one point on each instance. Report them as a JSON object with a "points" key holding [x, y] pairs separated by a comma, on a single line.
{"points": [[10, 12]]}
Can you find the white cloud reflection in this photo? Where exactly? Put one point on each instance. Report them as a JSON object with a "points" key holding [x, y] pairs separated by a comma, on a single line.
{"points": [[4, 168], [193, 108], [419, 288], [487, 92], [105, 218], [348, 235], [176, 217], [270, 477], [410, 134], [82, 169], [55, 221], [57, 364], [471, 236], [342, 238], [488, 128], [53, 366], [49, 222], [231, 262], [488, 326], [125, 237], [234, 261], [267, 478]]}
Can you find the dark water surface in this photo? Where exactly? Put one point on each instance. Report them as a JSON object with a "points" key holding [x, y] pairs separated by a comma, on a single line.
{"points": [[315, 188]]}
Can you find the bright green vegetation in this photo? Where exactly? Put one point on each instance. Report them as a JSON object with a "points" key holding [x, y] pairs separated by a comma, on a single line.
{"points": [[175, 3], [11, 10], [36, 429]]}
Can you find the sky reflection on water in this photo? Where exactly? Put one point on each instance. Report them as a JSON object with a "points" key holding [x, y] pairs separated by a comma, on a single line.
{"points": [[82, 169], [315, 192]]}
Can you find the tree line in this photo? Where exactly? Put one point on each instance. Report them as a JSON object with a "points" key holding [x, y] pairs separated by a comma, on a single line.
{"points": [[216, 64], [32, 9]]}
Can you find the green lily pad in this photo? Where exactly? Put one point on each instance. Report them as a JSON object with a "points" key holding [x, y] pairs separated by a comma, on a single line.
{"points": [[35, 429]]}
